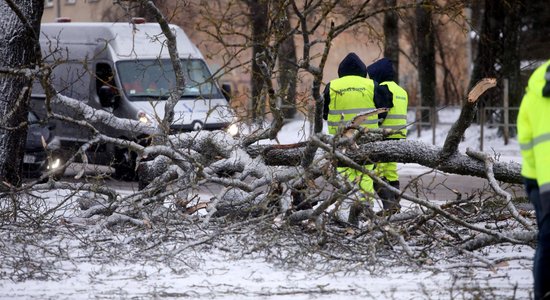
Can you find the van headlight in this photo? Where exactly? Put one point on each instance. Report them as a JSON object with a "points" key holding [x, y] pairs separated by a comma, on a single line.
{"points": [[145, 118], [54, 164], [233, 129]]}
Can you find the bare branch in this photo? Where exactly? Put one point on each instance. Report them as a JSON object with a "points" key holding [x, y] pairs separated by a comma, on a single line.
{"points": [[465, 119], [489, 163]]}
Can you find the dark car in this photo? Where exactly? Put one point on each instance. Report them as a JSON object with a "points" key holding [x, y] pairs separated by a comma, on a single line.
{"points": [[42, 149]]}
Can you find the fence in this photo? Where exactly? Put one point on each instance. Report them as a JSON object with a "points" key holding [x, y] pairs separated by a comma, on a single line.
{"points": [[498, 117]]}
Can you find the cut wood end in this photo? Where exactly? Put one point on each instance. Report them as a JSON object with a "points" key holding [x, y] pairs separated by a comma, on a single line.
{"points": [[480, 88]]}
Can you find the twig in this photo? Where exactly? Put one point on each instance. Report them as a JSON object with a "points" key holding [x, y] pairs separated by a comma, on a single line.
{"points": [[489, 162]]}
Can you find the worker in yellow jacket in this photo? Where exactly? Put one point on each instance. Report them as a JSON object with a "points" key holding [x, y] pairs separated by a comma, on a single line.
{"points": [[534, 140], [348, 95], [395, 119]]}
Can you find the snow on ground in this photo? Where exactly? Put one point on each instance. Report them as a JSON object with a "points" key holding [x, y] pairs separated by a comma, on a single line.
{"points": [[219, 275], [255, 279]]}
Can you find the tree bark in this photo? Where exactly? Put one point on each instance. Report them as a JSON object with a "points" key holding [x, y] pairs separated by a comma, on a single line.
{"points": [[20, 25], [426, 58], [288, 71], [391, 37], [258, 10], [511, 54], [402, 152], [488, 49]]}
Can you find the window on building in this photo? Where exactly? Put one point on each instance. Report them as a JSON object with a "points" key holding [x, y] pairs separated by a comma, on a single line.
{"points": [[70, 2], [48, 3]]}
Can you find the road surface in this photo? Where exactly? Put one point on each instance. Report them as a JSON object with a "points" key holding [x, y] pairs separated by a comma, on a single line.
{"points": [[417, 180]]}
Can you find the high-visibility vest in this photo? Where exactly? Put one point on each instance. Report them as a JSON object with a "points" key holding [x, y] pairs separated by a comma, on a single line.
{"points": [[349, 96], [397, 115], [534, 129]]}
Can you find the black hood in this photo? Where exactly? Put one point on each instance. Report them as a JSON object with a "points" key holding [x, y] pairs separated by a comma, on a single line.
{"points": [[352, 65], [381, 70]]}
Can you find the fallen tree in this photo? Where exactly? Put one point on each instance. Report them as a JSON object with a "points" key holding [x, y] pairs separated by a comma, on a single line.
{"points": [[295, 185]]}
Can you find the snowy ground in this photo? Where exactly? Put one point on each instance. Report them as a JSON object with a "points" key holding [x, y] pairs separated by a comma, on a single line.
{"points": [[181, 272], [252, 278]]}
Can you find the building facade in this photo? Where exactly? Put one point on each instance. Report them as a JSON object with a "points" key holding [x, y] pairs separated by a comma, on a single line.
{"points": [[80, 10]]}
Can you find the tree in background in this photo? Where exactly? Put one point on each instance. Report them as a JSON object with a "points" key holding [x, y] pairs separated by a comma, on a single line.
{"points": [[488, 61], [259, 22], [270, 22], [288, 66], [440, 41], [425, 43], [20, 25], [391, 36], [511, 59], [498, 49]]}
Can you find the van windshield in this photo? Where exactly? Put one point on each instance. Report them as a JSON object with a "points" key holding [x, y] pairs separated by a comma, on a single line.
{"points": [[142, 79]]}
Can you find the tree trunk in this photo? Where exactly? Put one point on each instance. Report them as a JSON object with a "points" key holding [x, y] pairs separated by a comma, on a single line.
{"points": [[288, 72], [391, 36], [258, 10], [426, 59], [488, 49], [498, 45], [17, 50], [511, 54]]}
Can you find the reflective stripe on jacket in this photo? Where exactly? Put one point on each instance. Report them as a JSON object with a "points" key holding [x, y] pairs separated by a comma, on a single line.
{"points": [[397, 115], [534, 129], [349, 96]]}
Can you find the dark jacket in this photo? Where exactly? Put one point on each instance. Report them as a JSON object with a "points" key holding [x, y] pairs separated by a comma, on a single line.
{"points": [[381, 71], [352, 65]]}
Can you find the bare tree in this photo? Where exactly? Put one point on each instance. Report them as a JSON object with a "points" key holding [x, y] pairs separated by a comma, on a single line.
{"points": [[20, 28], [391, 35], [288, 65], [425, 33], [258, 12]]}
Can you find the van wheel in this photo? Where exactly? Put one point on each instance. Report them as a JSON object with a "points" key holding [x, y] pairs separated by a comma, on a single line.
{"points": [[125, 165]]}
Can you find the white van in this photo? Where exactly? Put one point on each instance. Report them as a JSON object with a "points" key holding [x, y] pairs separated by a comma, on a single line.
{"points": [[125, 68]]}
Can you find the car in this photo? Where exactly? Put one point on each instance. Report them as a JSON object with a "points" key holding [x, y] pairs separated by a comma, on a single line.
{"points": [[42, 149]]}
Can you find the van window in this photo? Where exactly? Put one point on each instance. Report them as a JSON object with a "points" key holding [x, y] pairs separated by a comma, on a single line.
{"points": [[142, 79], [104, 76], [71, 79]]}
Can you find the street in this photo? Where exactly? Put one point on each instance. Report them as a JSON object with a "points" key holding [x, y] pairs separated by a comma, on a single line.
{"points": [[416, 180]]}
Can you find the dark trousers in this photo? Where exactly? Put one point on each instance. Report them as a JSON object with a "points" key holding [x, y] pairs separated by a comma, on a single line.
{"points": [[541, 266]]}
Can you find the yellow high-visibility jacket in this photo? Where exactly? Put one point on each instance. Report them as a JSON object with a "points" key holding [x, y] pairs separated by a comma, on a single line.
{"points": [[397, 115], [350, 95], [534, 129]]}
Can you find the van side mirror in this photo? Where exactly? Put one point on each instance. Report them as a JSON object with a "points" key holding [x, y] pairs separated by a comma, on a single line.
{"points": [[106, 96], [226, 91]]}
